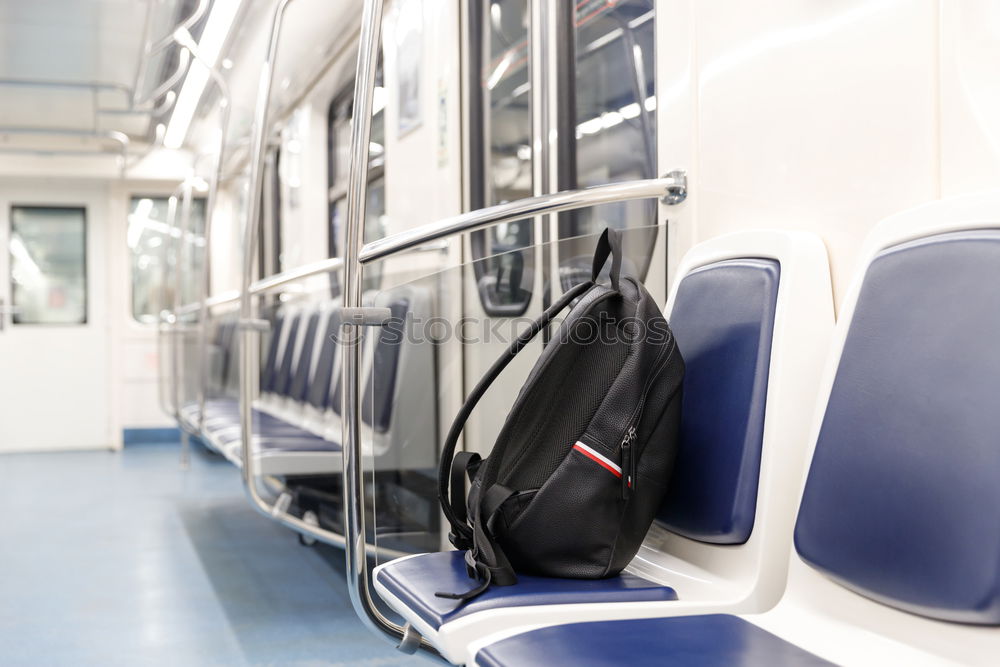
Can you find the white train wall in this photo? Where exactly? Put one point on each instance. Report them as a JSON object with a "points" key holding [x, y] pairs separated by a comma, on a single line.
{"points": [[791, 114]]}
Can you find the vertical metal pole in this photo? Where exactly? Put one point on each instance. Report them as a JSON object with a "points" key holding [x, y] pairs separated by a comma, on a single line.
{"points": [[248, 327], [213, 193], [542, 57], [166, 324], [184, 231], [247, 332], [354, 519]]}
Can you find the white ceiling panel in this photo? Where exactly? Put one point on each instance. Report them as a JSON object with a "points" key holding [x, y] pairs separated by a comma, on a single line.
{"points": [[81, 42]]}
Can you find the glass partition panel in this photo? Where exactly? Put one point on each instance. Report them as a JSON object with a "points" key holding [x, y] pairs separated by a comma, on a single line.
{"points": [[298, 388], [413, 385]]}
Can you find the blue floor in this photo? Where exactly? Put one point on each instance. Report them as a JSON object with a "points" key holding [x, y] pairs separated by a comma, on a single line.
{"points": [[124, 559]]}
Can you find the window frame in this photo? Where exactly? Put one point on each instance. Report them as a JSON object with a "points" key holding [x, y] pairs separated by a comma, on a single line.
{"points": [[564, 89], [479, 154]]}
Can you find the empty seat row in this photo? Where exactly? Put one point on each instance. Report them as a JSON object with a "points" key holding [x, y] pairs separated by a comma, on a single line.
{"points": [[296, 418], [896, 524]]}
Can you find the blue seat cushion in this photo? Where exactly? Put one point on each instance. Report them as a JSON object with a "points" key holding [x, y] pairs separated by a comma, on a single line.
{"points": [[683, 641], [902, 501], [278, 431], [288, 445], [415, 580], [723, 319]]}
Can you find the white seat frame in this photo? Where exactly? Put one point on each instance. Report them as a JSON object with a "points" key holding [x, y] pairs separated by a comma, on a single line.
{"points": [[709, 577]]}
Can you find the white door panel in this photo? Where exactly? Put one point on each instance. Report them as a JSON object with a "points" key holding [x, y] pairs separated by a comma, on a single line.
{"points": [[54, 376]]}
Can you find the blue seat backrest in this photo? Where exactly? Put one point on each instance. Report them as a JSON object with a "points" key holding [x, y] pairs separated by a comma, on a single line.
{"points": [[902, 500], [376, 408], [286, 351], [222, 342], [319, 388], [269, 375], [303, 366], [723, 319]]}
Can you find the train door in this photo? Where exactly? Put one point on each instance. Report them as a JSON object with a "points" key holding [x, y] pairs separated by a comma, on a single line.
{"points": [[55, 384], [560, 95]]}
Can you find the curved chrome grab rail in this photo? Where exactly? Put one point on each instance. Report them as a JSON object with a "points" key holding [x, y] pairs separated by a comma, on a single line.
{"points": [[354, 519], [150, 48], [183, 38], [672, 185], [221, 299], [178, 329], [272, 283], [247, 325], [166, 315], [672, 188]]}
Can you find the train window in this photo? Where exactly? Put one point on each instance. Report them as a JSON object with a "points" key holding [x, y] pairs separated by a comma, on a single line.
{"points": [[271, 258], [154, 250], [501, 148], [339, 133], [48, 265], [614, 118]]}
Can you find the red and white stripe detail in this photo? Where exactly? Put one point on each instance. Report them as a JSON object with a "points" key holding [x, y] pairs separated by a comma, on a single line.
{"points": [[599, 459]]}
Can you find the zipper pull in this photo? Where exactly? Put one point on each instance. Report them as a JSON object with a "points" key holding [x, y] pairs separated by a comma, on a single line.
{"points": [[628, 462]]}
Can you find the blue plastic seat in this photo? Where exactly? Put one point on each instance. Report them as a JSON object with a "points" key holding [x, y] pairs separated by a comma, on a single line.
{"points": [[415, 581], [723, 317], [900, 514], [684, 641]]}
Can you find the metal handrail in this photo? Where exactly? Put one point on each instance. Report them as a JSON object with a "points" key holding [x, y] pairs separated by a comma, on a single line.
{"points": [[167, 316], [672, 188], [354, 515], [671, 185], [150, 49], [183, 38], [232, 296], [248, 330], [119, 138], [176, 340], [271, 283]]}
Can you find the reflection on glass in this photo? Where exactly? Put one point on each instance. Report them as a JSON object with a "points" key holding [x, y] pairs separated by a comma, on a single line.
{"points": [[615, 119], [507, 159], [341, 111], [401, 444], [48, 268], [156, 249]]}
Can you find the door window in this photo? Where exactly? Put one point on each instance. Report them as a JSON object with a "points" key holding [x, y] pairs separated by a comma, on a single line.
{"points": [[48, 251]]}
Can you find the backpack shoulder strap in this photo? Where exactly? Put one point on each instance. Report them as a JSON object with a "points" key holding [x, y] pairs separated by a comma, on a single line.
{"points": [[461, 535]]}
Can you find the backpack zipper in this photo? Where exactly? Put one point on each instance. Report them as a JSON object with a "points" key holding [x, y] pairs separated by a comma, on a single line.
{"points": [[628, 462], [628, 456]]}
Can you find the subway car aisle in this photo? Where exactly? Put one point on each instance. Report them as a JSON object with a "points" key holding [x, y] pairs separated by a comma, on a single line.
{"points": [[125, 559]]}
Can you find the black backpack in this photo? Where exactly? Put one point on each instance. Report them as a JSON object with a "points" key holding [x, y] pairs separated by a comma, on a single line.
{"points": [[581, 465]]}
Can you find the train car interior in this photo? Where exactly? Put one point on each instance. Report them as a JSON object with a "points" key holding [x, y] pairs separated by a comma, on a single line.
{"points": [[499, 332]]}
